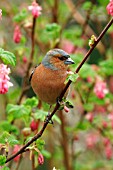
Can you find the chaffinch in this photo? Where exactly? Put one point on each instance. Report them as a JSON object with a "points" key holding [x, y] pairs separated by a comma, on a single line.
{"points": [[47, 79]]}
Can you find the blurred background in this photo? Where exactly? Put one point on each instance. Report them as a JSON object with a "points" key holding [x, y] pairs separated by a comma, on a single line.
{"points": [[81, 139]]}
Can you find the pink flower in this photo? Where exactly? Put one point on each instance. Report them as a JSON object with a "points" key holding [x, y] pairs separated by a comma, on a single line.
{"points": [[110, 8], [24, 59], [89, 117], [108, 151], [68, 46], [4, 79], [100, 89], [91, 140], [106, 141], [16, 149], [104, 124], [17, 34], [89, 79], [36, 9], [40, 159], [110, 116], [0, 14]]}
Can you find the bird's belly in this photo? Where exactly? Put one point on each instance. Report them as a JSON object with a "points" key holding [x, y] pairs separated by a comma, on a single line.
{"points": [[48, 84], [50, 91]]}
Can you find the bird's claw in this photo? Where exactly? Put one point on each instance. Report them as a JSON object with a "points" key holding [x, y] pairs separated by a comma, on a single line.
{"points": [[58, 101], [48, 120]]}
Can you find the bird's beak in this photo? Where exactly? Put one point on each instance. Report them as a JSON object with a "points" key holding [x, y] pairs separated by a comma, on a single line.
{"points": [[69, 61]]}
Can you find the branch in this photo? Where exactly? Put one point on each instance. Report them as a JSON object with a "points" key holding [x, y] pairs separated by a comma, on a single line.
{"points": [[64, 143], [80, 19], [38, 135], [25, 85]]}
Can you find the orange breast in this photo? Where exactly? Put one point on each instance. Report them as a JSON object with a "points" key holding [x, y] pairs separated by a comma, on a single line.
{"points": [[48, 84]]}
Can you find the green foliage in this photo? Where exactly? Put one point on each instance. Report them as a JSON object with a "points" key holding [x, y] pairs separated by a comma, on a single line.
{"points": [[5, 137], [2, 160], [18, 111], [73, 34], [86, 71], [7, 57], [7, 126], [107, 67], [46, 154], [40, 144], [57, 26], [89, 106], [95, 99], [41, 115], [53, 32], [73, 77], [87, 5], [5, 168], [32, 102], [21, 16], [83, 126], [69, 104]]}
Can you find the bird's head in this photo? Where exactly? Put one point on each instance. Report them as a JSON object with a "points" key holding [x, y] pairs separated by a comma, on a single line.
{"points": [[57, 59]]}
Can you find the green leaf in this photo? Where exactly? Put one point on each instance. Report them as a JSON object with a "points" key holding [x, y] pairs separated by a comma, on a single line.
{"points": [[53, 31], [46, 154], [86, 71], [6, 126], [83, 126], [5, 137], [53, 27], [32, 102], [89, 106], [5, 168], [107, 67], [2, 160], [40, 114], [56, 118], [40, 144], [69, 104], [94, 99], [86, 5], [73, 77], [7, 57], [17, 111], [21, 16]]}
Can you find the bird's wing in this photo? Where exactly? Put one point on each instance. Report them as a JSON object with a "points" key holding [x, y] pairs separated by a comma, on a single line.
{"points": [[33, 72]]}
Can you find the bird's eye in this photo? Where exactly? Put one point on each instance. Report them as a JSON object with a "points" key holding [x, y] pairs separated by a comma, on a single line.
{"points": [[62, 58]]}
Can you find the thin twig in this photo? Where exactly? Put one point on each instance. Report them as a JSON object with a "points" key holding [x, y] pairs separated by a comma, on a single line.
{"points": [[25, 84], [64, 142], [38, 135]]}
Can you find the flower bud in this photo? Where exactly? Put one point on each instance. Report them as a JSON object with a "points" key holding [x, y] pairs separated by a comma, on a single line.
{"points": [[40, 159], [17, 34], [34, 125]]}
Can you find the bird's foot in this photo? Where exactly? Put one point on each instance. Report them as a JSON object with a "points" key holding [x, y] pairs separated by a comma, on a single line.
{"points": [[58, 101], [48, 120]]}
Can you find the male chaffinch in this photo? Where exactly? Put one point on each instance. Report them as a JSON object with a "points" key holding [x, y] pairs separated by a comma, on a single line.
{"points": [[47, 79]]}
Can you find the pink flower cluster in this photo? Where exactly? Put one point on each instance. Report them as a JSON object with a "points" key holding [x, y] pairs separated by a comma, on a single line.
{"points": [[35, 9], [0, 14], [92, 140], [100, 89], [17, 34], [4, 79], [110, 8], [108, 148]]}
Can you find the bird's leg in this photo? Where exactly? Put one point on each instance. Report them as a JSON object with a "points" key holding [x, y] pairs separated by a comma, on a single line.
{"points": [[47, 117], [58, 101]]}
